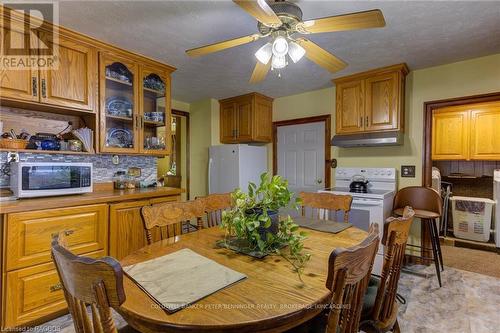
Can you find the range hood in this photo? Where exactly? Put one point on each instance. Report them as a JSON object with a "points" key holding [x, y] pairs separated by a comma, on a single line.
{"points": [[368, 139]]}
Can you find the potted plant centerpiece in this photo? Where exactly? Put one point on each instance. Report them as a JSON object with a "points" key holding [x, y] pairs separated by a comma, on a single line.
{"points": [[253, 226]]}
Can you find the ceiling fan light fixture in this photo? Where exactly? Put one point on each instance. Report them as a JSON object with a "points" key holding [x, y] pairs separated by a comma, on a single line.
{"points": [[278, 62], [265, 53], [295, 51], [280, 46]]}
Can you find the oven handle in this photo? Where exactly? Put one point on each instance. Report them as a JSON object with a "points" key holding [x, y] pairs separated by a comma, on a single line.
{"points": [[366, 202]]}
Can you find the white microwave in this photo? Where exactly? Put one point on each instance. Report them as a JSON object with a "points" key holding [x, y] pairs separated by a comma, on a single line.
{"points": [[40, 179]]}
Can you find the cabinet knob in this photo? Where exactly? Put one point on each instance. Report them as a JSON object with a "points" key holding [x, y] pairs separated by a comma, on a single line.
{"points": [[44, 89], [55, 287], [34, 83], [65, 232]]}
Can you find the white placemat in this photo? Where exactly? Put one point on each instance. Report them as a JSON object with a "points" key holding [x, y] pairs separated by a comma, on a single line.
{"points": [[179, 279]]}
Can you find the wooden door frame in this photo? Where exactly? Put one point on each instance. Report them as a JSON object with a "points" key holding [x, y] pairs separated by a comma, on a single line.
{"points": [[299, 121], [188, 164], [429, 107]]}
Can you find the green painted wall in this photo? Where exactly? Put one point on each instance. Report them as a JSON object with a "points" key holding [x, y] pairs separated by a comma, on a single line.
{"points": [[470, 77]]}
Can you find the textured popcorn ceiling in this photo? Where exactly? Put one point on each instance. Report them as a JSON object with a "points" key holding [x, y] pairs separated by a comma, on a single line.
{"points": [[420, 33]]}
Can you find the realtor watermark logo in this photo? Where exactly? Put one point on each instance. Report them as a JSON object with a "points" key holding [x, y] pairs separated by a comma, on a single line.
{"points": [[28, 40]]}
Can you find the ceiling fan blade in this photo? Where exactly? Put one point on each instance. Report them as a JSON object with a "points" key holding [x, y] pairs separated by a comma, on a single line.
{"points": [[360, 20], [222, 45], [260, 72], [261, 11], [321, 57]]}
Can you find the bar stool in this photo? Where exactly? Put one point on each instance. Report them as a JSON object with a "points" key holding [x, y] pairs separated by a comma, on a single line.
{"points": [[428, 206]]}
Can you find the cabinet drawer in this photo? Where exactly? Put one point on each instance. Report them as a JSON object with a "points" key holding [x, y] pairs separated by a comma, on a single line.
{"points": [[34, 293], [164, 199], [29, 234]]}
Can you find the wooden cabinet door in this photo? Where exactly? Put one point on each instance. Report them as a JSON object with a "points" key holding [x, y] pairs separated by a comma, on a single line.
{"points": [[126, 228], [350, 107], [34, 293], [74, 81], [18, 84], [381, 102], [450, 135], [118, 104], [29, 234], [244, 120], [154, 98], [263, 121], [227, 123], [485, 133]]}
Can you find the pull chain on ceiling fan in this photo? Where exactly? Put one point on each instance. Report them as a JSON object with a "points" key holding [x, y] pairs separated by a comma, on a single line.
{"points": [[282, 21]]}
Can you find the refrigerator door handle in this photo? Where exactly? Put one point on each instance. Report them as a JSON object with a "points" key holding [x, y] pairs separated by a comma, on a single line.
{"points": [[210, 161]]}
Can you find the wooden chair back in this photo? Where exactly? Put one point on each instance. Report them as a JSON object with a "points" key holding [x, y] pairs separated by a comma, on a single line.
{"points": [[396, 231], [170, 217], [321, 203], [87, 282], [348, 275], [214, 205]]}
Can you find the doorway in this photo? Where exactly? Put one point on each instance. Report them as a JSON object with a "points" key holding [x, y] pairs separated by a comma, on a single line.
{"points": [[464, 178], [174, 169], [301, 152]]}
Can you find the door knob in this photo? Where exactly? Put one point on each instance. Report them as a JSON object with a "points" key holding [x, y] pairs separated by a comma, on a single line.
{"points": [[319, 180]]}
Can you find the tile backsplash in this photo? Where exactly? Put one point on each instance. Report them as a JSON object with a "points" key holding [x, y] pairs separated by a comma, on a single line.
{"points": [[104, 169]]}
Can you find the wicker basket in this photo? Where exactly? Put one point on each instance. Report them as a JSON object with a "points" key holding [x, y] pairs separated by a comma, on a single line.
{"points": [[13, 143]]}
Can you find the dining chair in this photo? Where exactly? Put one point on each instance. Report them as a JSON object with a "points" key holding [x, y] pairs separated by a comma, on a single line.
{"points": [[170, 217], [380, 308], [89, 283], [320, 204], [348, 276], [214, 205]]}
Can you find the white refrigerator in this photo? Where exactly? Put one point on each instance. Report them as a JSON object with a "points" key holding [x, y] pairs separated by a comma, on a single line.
{"points": [[233, 166]]}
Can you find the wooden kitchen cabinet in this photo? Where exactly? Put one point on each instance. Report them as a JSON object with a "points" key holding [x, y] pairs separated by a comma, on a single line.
{"points": [[450, 135], [126, 227], [371, 101], [350, 106], [78, 86], [73, 82], [485, 133], [246, 119], [155, 111], [18, 84], [120, 118], [35, 292], [29, 234], [466, 132]]}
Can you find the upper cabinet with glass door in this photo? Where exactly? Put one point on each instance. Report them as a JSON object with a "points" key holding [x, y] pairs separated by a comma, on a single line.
{"points": [[119, 108], [155, 111]]}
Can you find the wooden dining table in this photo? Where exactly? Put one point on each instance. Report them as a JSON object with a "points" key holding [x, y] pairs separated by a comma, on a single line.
{"points": [[271, 299]]}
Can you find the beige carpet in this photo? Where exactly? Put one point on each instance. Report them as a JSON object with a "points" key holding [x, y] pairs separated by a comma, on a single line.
{"points": [[477, 261]]}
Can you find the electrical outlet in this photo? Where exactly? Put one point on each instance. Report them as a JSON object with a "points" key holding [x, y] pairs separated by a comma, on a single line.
{"points": [[12, 157], [408, 171]]}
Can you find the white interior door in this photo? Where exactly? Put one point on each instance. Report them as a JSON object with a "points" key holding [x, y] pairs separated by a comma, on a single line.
{"points": [[301, 156]]}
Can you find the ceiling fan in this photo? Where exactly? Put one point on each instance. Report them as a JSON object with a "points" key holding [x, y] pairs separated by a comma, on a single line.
{"points": [[282, 21]]}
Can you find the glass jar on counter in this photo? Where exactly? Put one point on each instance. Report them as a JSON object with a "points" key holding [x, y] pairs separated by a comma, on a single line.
{"points": [[119, 180]]}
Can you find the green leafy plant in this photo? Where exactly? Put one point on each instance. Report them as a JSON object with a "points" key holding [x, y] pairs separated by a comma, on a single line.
{"points": [[253, 223]]}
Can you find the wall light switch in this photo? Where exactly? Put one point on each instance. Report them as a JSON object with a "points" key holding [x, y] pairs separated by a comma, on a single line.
{"points": [[408, 171]]}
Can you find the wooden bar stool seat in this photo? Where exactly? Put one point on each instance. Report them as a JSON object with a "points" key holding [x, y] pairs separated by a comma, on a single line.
{"points": [[419, 213], [428, 206]]}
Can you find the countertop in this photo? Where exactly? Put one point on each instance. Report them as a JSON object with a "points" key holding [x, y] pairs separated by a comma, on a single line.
{"points": [[102, 196]]}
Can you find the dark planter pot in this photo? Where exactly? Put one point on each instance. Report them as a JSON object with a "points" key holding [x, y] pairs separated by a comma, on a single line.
{"points": [[273, 215]]}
